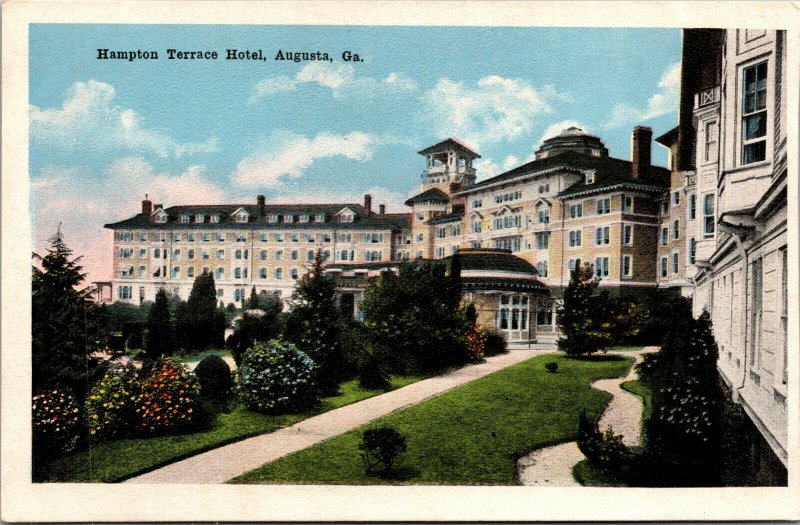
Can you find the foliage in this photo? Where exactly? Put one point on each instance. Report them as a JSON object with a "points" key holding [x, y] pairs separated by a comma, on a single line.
{"points": [[416, 314], [471, 314], [476, 343], [603, 448], [160, 333], [683, 433], [381, 446], [551, 367], [372, 373], [216, 382], [582, 315], [276, 377], [64, 331], [257, 324], [495, 344], [111, 405], [55, 424], [199, 324], [315, 325], [169, 398]]}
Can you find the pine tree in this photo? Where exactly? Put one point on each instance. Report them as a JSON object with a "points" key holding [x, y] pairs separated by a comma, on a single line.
{"points": [[314, 324], [253, 302], [160, 334], [202, 312], [63, 314], [582, 316]]}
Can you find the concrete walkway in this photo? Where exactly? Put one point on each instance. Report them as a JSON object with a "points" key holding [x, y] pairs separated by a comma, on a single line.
{"points": [[227, 462], [552, 466]]}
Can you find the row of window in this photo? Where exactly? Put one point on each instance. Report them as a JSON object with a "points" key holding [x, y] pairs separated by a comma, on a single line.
{"points": [[444, 231], [601, 266], [205, 237], [508, 197]]}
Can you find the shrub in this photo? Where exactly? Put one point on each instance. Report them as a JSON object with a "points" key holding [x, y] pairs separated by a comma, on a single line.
{"points": [[55, 424], [111, 405], [476, 343], [168, 399], [381, 446], [495, 344], [372, 373], [276, 377], [605, 449], [216, 383], [551, 367]]}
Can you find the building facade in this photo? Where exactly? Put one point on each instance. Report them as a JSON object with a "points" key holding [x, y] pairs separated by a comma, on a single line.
{"points": [[729, 161]]}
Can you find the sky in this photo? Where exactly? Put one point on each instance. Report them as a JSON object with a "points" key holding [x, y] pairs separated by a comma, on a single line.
{"points": [[103, 133]]}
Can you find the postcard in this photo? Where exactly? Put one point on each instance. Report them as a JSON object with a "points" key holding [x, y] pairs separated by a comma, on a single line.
{"points": [[441, 261]]}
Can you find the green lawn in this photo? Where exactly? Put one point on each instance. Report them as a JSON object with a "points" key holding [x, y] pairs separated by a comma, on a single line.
{"points": [[116, 460], [470, 435], [636, 387], [623, 348]]}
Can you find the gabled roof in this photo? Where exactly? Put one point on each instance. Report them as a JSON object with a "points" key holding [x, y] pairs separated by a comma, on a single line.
{"points": [[608, 170], [505, 208], [431, 195], [442, 219], [449, 144]]}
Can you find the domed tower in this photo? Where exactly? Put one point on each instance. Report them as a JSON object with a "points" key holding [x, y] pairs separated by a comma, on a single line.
{"points": [[572, 139], [449, 166]]}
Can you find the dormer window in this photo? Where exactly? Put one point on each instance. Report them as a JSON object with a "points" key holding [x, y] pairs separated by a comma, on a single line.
{"points": [[320, 217], [288, 219], [199, 218], [346, 217], [590, 178], [214, 217], [272, 218], [304, 217], [185, 218], [160, 216], [240, 216]]}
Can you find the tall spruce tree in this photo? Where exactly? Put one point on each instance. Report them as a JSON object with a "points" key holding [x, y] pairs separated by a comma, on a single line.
{"points": [[203, 316], [63, 315], [314, 324], [582, 316], [160, 332]]}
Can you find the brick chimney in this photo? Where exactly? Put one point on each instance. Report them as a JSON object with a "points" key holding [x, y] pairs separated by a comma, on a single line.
{"points": [[368, 203], [147, 206], [261, 201], [381, 209], [641, 144]]}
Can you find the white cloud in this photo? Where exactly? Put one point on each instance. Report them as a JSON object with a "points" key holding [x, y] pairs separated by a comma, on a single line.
{"points": [[341, 79], [486, 167], [82, 201], [495, 109], [288, 154], [661, 103], [89, 119]]}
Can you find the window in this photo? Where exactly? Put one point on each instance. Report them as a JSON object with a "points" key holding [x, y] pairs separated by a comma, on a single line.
{"points": [[277, 237], [710, 151], [708, 215], [439, 252], [220, 254], [294, 274], [509, 243], [176, 272], [543, 217], [142, 271], [544, 188], [295, 238], [513, 313], [784, 313], [574, 238], [477, 203], [420, 237], [263, 255], [373, 237], [214, 217], [602, 235], [272, 218], [125, 236], [420, 216], [319, 217], [627, 266], [241, 237], [124, 292], [304, 217], [161, 216], [205, 237], [541, 267], [476, 227], [310, 255], [190, 237], [754, 113], [236, 255], [675, 262], [199, 218], [590, 178], [326, 237], [692, 249], [602, 206], [373, 256], [346, 217], [237, 273], [664, 236], [627, 234], [218, 273], [190, 271], [663, 267], [757, 280], [601, 267], [542, 241], [627, 203], [127, 253], [676, 198], [346, 255], [676, 229], [440, 232], [573, 263], [220, 293], [185, 218], [238, 294], [204, 255], [278, 255], [278, 273], [575, 211], [692, 206], [295, 255], [143, 253], [220, 237], [176, 237], [288, 218], [241, 216], [345, 237]]}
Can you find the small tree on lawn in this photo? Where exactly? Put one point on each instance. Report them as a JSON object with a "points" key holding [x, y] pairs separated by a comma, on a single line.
{"points": [[204, 320], [581, 316], [64, 335], [314, 324], [160, 334]]}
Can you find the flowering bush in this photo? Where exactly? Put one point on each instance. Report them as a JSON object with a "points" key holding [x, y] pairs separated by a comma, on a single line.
{"points": [[55, 423], [168, 398], [277, 377], [476, 342], [111, 403]]}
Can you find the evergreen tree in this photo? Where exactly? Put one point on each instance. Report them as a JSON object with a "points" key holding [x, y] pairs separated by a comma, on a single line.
{"points": [[65, 334], [314, 325], [260, 322], [160, 334], [253, 302], [203, 317], [582, 316]]}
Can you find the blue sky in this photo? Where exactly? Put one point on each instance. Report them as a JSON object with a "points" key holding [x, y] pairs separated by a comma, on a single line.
{"points": [[104, 132]]}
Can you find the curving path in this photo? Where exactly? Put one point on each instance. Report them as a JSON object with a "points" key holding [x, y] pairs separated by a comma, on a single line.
{"points": [[552, 466]]}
